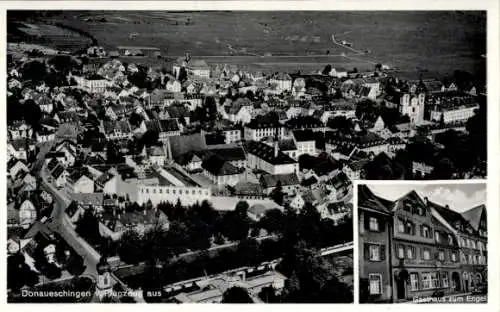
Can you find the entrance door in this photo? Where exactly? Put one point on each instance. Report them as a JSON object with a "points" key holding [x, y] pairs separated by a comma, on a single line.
{"points": [[456, 279], [401, 288]]}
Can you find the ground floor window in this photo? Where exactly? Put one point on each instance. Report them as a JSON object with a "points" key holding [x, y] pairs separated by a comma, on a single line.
{"points": [[444, 280], [414, 281], [435, 280], [375, 284], [426, 281]]}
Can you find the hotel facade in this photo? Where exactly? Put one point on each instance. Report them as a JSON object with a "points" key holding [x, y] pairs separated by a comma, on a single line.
{"points": [[413, 248]]}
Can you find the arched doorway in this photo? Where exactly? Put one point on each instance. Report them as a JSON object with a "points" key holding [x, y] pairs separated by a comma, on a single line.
{"points": [[455, 277], [401, 280]]}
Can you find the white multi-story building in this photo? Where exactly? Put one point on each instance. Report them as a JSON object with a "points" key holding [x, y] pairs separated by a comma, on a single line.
{"points": [[305, 142], [454, 114], [188, 195], [269, 159], [232, 135], [260, 128], [92, 83]]}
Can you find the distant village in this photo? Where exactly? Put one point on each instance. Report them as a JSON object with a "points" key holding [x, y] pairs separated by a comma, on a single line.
{"points": [[123, 143]]}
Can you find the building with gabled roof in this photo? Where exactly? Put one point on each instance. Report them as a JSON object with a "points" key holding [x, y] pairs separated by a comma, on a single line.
{"points": [[221, 172], [263, 157]]}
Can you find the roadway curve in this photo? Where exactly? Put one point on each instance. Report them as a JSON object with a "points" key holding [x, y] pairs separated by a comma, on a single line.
{"points": [[60, 223]]}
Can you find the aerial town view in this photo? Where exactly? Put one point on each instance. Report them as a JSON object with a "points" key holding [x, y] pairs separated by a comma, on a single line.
{"points": [[209, 157]]}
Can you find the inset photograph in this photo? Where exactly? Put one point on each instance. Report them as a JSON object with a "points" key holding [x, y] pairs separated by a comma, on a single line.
{"points": [[422, 243]]}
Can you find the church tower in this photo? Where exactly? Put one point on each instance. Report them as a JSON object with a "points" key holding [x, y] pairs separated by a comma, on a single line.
{"points": [[104, 286]]}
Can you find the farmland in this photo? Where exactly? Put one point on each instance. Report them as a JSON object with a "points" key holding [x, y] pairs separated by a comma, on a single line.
{"points": [[435, 41]]}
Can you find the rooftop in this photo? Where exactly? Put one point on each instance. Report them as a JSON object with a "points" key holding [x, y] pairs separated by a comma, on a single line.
{"points": [[267, 153]]}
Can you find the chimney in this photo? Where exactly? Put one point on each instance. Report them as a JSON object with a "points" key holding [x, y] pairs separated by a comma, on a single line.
{"points": [[275, 149], [447, 206], [426, 201]]}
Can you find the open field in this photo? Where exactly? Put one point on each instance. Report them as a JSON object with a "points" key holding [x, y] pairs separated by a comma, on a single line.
{"points": [[433, 41]]}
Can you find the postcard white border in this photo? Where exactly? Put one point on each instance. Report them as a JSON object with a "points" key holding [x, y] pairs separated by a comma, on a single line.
{"points": [[493, 188]]}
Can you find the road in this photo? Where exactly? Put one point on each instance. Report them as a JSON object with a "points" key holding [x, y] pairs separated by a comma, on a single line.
{"points": [[59, 222]]}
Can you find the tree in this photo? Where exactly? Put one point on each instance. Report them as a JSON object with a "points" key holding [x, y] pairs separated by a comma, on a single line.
{"points": [[277, 193], [312, 278], [35, 71], [182, 74], [334, 291], [88, 227], [19, 273], [441, 120], [52, 271], [199, 235], [248, 252], [241, 208], [32, 113], [378, 67], [340, 123], [113, 155], [130, 248], [75, 265], [268, 295], [236, 295], [64, 63], [327, 69], [235, 226], [273, 221], [444, 170], [135, 119], [149, 138]]}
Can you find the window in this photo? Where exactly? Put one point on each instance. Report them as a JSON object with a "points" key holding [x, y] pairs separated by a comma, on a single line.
{"points": [[426, 254], [454, 256], [414, 281], [154, 191], [462, 241], [421, 211], [425, 231], [167, 191], [473, 244], [409, 228], [160, 191], [407, 206], [173, 191], [374, 224], [374, 253], [426, 281], [435, 280], [375, 284], [147, 191], [441, 255], [468, 243], [401, 226], [410, 252], [444, 280], [450, 239], [470, 259], [438, 237], [401, 252]]}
